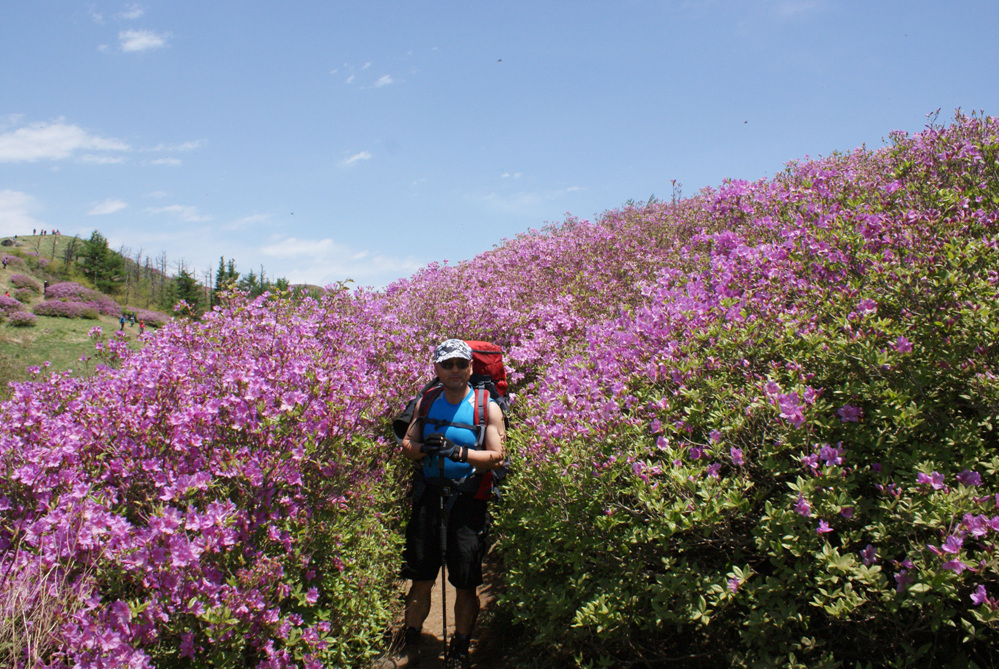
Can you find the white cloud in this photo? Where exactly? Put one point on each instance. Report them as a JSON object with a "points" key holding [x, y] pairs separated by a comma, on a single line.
{"points": [[15, 213], [350, 79], [141, 40], [327, 262], [789, 9], [357, 157], [515, 175], [131, 12], [526, 203], [52, 141], [248, 221], [101, 160], [185, 213], [108, 206], [171, 162], [383, 81], [179, 148]]}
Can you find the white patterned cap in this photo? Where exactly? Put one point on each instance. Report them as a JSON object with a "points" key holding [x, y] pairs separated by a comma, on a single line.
{"points": [[452, 348]]}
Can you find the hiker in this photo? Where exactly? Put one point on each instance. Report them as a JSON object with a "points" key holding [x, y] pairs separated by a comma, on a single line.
{"points": [[122, 322], [447, 447], [142, 327]]}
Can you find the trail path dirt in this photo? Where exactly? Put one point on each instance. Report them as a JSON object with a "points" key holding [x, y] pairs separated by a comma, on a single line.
{"points": [[487, 650], [486, 653]]}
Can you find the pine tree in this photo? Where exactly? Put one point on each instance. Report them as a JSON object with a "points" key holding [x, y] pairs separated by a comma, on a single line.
{"points": [[103, 266]]}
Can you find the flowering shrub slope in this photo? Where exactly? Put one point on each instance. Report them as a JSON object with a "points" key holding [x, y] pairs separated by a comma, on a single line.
{"points": [[786, 455], [220, 495], [754, 427]]}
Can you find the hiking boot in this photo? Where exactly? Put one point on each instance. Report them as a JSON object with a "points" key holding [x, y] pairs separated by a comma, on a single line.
{"points": [[458, 656], [407, 655]]}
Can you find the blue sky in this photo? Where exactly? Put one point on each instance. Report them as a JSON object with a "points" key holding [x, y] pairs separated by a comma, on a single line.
{"points": [[330, 140]]}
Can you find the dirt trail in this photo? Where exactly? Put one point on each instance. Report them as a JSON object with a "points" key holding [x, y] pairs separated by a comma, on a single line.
{"points": [[485, 653]]}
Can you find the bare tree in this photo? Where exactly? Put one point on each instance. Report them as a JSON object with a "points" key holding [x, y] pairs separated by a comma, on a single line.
{"points": [[125, 252], [161, 267], [149, 278]]}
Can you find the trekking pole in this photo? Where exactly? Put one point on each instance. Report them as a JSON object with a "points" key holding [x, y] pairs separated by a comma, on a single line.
{"points": [[445, 492]]}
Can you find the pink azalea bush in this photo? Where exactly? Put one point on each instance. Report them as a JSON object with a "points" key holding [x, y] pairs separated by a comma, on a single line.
{"points": [[67, 309], [22, 319], [791, 441], [152, 318], [69, 291], [14, 262], [8, 305], [25, 281]]}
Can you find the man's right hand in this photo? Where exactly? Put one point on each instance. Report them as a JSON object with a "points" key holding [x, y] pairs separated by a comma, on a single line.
{"points": [[431, 446]]}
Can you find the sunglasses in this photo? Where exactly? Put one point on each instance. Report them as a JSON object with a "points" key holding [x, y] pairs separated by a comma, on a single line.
{"points": [[455, 362]]}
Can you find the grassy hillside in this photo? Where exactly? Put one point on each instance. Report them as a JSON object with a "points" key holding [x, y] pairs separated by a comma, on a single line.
{"points": [[55, 343]]}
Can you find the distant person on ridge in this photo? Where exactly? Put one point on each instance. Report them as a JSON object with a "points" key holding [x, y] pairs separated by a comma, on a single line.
{"points": [[452, 439]]}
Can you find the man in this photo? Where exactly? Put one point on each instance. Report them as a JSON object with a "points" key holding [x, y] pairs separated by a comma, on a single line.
{"points": [[445, 443]]}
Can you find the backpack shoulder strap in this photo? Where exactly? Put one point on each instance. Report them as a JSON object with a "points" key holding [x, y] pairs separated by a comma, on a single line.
{"points": [[430, 396]]}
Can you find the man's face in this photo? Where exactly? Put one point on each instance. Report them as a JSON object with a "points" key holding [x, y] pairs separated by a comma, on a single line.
{"points": [[454, 372]]}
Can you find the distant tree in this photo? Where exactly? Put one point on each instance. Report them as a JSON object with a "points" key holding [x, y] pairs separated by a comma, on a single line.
{"points": [[226, 278], [69, 256], [250, 284], [100, 264], [184, 287]]}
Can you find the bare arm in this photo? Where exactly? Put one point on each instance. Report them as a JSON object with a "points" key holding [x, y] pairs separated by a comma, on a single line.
{"points": [[495, 448], [413, 440]]}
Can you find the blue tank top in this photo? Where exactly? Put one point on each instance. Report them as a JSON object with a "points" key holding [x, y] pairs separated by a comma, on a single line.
{"points": [[463, 412]]}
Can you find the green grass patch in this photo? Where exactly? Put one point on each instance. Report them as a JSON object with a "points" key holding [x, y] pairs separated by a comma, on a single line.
{"points": [[59, 341]]}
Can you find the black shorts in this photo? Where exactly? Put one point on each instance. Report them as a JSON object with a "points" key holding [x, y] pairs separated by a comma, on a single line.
{"points": [[466, 540]]}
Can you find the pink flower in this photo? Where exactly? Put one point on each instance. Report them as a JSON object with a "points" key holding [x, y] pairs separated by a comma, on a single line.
{"points": [[187, 645], [969, 478], [850, 414], [790, 409], [936, 481], [736, 455], [802, 507], [952, 545], [823, 527], [902, 345], [955, 566]]}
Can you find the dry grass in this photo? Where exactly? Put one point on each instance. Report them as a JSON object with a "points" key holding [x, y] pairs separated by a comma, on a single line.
{"points": [[34, 602]]}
